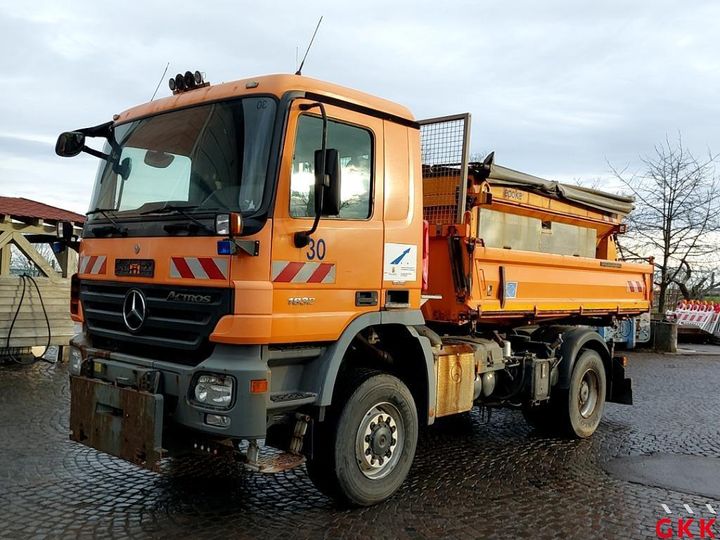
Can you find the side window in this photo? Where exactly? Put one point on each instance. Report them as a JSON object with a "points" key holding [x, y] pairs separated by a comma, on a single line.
{"points": [[354, 145]]}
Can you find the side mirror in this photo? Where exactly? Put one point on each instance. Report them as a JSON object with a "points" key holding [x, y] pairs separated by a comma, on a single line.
{"points": [[330, 180], [70, 144], [123, 168], [64, 230]]}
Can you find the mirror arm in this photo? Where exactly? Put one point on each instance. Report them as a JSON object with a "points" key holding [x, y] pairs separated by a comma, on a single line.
{"points": [[106, 131], [103, 130], [95, 153], [302, 238]]}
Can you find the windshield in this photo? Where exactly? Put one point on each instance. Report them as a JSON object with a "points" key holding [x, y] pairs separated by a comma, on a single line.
{"points": [[211, 157]]}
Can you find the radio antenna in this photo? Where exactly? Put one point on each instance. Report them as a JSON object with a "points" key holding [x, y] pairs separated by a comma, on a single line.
{"points": [[162, 78], [299, 71]]}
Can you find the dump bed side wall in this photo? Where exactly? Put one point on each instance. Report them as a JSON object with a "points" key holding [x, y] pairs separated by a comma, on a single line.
{"points": [[521, 284]]}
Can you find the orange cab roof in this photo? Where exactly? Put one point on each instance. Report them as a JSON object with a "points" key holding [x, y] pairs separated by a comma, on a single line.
{"points": [[276, 85]]}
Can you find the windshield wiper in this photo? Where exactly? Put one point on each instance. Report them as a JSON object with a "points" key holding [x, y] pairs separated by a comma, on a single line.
{"points": [[168, 208], [176, 209], [115, 227]]}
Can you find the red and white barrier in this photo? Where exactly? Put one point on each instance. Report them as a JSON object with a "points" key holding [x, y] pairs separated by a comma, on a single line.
{"points": [[702, 315]]}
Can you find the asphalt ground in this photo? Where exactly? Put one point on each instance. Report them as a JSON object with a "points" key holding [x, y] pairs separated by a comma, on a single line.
{"points": [[471, 478]]}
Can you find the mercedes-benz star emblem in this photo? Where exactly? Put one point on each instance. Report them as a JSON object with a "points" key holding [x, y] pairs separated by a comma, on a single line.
{"points": [[134, 310]]}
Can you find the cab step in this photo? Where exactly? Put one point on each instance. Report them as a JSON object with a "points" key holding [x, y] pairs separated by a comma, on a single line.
{"points": [[275, 463], [285, 399]]}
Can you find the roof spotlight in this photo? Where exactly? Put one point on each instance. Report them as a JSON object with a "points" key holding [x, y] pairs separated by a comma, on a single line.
{"points": [[189, 80], [179, 82]]}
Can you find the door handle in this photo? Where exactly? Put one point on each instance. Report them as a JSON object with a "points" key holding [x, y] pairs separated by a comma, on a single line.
{"points": [[366, 298]]}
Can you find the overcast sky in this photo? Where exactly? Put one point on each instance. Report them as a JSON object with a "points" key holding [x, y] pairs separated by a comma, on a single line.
{"points": [[556, 88]]}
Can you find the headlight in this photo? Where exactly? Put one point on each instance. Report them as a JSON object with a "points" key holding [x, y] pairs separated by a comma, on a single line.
{"points": [[214, 390], [76, 361], [222, 224]]}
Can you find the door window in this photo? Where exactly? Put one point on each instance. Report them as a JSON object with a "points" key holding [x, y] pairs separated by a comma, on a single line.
{"points": [[354, 146]]}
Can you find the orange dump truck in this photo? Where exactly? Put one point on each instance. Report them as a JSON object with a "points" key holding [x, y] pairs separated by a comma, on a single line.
{"points": [[286, 271]]}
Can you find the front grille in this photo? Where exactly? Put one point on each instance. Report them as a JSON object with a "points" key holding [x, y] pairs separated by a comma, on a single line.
{"points": [[173, 330]]}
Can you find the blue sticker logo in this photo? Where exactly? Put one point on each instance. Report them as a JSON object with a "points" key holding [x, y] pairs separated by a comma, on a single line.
{"points": [[401, 257]]}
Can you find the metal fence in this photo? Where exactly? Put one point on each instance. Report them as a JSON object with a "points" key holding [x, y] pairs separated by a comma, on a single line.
{"points": [[445, 147]]}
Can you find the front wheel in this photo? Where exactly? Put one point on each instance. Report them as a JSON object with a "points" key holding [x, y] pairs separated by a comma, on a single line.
{"points": [[362, 454]]}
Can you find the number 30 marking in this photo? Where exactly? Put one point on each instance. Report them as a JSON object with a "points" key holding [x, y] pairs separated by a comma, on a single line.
{"points": [[316, 250]]}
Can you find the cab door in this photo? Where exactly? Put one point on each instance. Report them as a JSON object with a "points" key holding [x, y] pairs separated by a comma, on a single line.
{"points": [[320, 288]]}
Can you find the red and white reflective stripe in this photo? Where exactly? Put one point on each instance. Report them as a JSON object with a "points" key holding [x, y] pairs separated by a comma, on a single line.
{"points": [[635, 286], [302, 272], [199, 268], [92, 264]]}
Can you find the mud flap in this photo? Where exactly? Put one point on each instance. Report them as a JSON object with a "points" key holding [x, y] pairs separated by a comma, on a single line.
{"points": [[123, 422], [620, 386]]}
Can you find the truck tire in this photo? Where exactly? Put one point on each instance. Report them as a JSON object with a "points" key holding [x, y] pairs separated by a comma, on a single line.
{"points": [[363, 451], [585, 398]]}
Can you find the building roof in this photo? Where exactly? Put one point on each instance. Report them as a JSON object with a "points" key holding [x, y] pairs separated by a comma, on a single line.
{"points": [[20, 207]]}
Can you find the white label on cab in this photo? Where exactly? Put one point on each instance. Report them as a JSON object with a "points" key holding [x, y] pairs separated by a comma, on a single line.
{"points": [[400, 263]]}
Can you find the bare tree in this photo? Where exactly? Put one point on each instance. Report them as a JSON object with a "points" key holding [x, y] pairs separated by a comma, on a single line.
{"points": [[591, 183], [677, 214], [477, 157], [696, 283]]}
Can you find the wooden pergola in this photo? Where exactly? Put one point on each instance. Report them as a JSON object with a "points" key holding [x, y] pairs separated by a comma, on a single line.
{"points": [[27, 224]]}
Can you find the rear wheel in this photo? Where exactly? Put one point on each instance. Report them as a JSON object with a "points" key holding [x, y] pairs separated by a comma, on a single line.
{"points": [[364, 450], [577, 410], [585, 399]]}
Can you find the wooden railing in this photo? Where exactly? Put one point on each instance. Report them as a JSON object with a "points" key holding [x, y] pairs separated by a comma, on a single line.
{"points": [[30, 328]]}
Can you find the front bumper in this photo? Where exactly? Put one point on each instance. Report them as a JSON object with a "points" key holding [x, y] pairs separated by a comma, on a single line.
{"points": [[127, 406]]}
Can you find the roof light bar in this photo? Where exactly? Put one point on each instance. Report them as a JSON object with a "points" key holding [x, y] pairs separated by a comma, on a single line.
{"points": [[183, 82]]}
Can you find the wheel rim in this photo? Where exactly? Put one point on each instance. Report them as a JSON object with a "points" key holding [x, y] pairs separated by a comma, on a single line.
{"points": [[380, 440], [588, 393]]}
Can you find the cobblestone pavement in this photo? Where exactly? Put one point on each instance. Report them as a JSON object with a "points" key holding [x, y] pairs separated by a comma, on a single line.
{"points": [[470, 479]]}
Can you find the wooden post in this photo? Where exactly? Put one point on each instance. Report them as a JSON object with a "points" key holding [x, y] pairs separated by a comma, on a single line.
{"points": [[5, 238], [68, 260], [5, 260]]}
